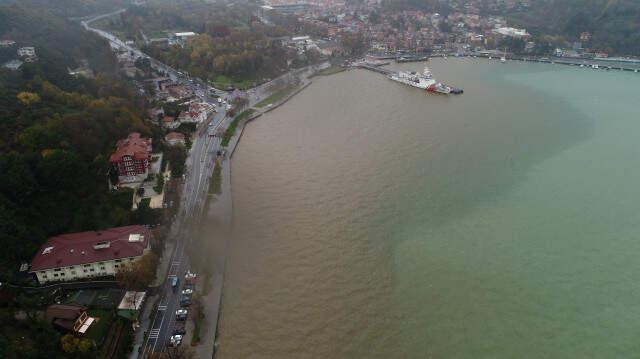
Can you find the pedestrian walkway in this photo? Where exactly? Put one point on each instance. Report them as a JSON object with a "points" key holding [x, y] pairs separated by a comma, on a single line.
{"points": [[145, 322], [219, 213]]}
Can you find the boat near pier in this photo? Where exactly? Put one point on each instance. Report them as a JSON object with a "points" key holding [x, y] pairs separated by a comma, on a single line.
{"points": [[411, 58], [424, 80]]}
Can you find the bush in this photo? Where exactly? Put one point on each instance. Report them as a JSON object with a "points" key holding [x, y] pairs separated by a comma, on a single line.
{"points": [[160, 184], [232, 126]]}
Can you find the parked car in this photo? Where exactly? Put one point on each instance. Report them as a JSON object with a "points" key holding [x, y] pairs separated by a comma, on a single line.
{"points": [[189, 275], [175, 340], [181, 314], [179, 328], [185, 300], [187, 291]]}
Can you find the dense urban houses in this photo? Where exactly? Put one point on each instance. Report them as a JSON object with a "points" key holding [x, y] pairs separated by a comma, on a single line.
{"points": [[81, 255], [132, 158]]}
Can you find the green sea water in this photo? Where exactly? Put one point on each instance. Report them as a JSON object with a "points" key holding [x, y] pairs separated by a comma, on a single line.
{"points": [[374, 221]]}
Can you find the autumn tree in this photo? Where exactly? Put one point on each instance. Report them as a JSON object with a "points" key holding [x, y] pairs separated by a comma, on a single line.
{"points": [[28, 98], [138, 275], [71, 344]]}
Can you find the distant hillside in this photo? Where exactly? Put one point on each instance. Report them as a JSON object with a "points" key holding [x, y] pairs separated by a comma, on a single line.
{"points": [[62, 42], [614, 24], [71, 8], [56, 132]]}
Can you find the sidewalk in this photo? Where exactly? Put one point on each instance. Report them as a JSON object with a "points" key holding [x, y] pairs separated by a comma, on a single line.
{"points": [[219, 215], [151, 302]]}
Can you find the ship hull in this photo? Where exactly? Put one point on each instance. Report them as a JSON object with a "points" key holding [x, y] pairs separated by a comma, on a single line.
{"points": [[421, 85]]}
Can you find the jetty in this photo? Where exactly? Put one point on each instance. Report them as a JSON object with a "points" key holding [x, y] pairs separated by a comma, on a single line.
{"points": [[377, 69]]}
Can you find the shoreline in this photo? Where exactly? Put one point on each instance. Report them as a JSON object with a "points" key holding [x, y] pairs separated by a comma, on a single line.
{"points": [[602, 64], [220, 211], [220, 207], [235, 140]]}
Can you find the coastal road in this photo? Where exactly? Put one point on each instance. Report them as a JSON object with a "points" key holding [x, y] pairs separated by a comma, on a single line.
{"points": [[199, 168]]}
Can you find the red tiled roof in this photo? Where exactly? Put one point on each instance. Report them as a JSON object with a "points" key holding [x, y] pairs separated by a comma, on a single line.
{"points": [[168, 119], [174, 136], [135, 146], [78, 248]]}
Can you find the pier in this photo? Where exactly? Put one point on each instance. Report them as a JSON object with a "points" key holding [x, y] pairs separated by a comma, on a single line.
{"points": [[618, 64], [379, 70]]}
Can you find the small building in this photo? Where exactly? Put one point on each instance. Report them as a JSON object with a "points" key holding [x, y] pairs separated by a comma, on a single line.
{"points": [[12, 65], [511, 32], [130, 305], [174, 138], [178, 92], [155, 113], [7, 43], [28, 54], [69, 317], [82, 255], [185, 35], [170, 122], [132, 158], [292, 8], [179, 38]]}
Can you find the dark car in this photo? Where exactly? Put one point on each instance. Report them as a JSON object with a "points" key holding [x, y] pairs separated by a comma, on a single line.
{"points": [[174, 282], [185, 301], [179, 328]]}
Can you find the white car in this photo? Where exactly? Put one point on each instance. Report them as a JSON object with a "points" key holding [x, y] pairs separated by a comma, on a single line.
{"points": [[189, 275], [175, 340], [181, 314], [187, 291]]}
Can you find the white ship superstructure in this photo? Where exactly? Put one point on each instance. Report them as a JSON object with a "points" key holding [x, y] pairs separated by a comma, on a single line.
{"points": [[421, 81]]}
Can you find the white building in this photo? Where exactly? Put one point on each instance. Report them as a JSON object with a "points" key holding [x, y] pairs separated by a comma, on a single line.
{"points": [[174, 138], [12, 65], [510, 32], [7, 43], [81, 255], [179, 38], [27, 51]]}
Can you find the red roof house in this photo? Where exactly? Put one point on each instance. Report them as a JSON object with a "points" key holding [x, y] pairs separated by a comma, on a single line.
{"points": [[132, 158], [89, 254]]}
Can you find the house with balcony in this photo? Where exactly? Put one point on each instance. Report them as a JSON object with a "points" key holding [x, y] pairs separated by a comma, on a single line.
{"points": [[132, 158]]}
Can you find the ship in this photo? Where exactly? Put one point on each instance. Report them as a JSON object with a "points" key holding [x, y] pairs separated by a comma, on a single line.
{"points": [[406, 58], [421, 81], [439, 88]]}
